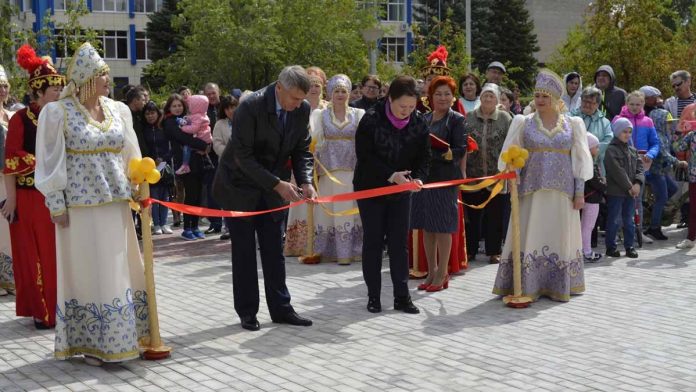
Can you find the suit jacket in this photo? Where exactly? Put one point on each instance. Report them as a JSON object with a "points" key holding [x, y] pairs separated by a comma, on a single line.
{"points": [[255, 160]]}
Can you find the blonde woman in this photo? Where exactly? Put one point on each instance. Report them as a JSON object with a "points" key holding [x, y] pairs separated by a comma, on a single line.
{"points": [[551, 192], [102, 310], [338, 238]]}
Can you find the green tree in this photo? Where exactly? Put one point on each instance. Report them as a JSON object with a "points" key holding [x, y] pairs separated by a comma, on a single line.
{"points": [[242, 44], [451, 36], [164, 38], [501, 30], [630, 36]]}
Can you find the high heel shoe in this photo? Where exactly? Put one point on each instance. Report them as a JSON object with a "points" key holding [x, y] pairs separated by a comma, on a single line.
{"points": [[423, 286], [433, 288]]}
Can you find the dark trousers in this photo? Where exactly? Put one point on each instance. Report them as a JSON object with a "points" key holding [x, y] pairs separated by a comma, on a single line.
{"points": [[215, 222], [492, 214], [620, 210], [390, 217], [268, 228], [193, 187]]}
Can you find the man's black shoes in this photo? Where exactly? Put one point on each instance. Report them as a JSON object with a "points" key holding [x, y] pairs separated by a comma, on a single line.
{"points": [[292, 318], [250, 323]]}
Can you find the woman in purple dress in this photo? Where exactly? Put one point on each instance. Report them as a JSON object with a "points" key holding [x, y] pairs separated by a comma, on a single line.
{"points": [[551, 191]]}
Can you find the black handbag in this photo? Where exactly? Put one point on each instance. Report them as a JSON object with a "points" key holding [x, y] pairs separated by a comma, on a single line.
{"points": [[166, 175]]}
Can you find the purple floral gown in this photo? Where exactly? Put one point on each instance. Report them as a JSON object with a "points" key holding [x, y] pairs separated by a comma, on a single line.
{"points": [[559, 163]]}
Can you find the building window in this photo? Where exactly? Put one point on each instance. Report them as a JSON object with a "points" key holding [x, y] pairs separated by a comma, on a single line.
{"points": [[110, 5], [148, 6], [395, 10], [62, 5], [115, 44], [141, 46], [394, 48], [61, 44], [25, 5]]}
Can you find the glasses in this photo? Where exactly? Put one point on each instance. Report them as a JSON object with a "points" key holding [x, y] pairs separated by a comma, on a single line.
{"points": [[677, 85], [372, 88]]}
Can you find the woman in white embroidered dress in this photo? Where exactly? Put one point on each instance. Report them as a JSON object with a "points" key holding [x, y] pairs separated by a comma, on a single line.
{"points": [[6, 275], [84, 143], [338, 237], [551, 193]]}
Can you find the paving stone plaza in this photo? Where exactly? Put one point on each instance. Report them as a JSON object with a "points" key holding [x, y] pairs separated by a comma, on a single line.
{"points": [[633, 330]]}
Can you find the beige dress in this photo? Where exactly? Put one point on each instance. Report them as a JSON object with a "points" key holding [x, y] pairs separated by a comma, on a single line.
{"points": [[6, 275], [102, 305]]}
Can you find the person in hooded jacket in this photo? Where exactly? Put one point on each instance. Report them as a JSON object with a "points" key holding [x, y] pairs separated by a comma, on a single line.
{"points": [[613, 98], [571, 97]]}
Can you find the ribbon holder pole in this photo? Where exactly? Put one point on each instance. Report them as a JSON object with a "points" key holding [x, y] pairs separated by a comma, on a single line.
{"points": [[516, 300], [155, 350]]}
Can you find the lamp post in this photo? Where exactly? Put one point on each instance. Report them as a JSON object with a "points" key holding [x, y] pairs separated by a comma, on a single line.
{"points": [[371, 35]]}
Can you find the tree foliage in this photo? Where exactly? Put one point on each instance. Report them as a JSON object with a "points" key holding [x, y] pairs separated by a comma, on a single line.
{"points": [[164, 38], [72, 35], [244, 44], [635, 37], [450, 35], [501, 30]]}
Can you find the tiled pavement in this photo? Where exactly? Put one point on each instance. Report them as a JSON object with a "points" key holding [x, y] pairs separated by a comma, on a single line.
{"points": [[633, 330]]}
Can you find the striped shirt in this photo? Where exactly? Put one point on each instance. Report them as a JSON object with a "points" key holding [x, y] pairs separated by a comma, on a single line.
{"points": [[682, 103]]}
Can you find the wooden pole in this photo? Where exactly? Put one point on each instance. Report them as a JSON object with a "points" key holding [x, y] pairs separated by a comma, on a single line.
{"points": [[516, 300], [156, 350]]}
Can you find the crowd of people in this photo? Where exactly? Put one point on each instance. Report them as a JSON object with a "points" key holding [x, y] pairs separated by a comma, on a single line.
{"points": [[68, 245]]}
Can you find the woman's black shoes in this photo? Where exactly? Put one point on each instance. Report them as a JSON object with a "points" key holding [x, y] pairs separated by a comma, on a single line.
{"points": [[373, 305], [405, 305]]}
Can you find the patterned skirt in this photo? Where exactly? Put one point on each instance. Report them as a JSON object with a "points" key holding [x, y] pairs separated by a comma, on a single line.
{"points": [[550, 246], [435, 210], [102, 304]]}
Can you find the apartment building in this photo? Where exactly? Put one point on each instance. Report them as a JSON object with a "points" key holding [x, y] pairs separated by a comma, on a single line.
{"points": [[120, 23]]}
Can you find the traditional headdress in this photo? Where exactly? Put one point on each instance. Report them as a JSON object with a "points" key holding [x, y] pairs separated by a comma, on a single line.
{"points": [[339, 80], [548, 82], [40, 69], [3, 76], [437, 63], [83, 70]]}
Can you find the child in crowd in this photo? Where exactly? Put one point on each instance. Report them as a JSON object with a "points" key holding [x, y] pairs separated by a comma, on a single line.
{"points": [[594, 195], [196, 123], [624, 178]]}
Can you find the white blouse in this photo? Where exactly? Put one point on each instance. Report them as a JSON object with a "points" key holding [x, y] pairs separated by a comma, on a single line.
{"points": [[81, 162]]}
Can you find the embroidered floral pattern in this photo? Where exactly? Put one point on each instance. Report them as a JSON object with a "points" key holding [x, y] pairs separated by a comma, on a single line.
{"points": [[296, 238], [106, 330], [94, 168], [342, 243], [543, 273], [546, 168], [6, 272]]}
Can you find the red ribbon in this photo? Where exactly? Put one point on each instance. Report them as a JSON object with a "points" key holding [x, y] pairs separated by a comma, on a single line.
{"points": [[366, 194]]}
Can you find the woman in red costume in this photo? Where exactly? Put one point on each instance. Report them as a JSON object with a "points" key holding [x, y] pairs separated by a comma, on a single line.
{"points": [[31, 230], [437, 66]]}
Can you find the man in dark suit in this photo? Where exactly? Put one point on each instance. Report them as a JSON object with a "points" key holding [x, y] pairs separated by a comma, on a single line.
{"points": [[271, 128]]}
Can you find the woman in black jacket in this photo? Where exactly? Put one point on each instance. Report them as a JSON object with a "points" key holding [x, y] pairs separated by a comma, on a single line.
{"points": [[435, 211], [193, 181], [392, 147], [159, 149]]}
